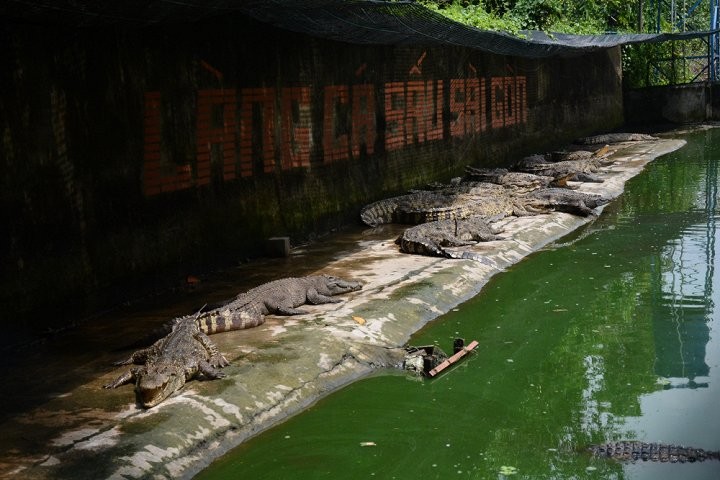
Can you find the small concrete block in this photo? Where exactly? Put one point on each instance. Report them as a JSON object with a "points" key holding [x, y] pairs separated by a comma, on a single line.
{"points": [[278, 246]]}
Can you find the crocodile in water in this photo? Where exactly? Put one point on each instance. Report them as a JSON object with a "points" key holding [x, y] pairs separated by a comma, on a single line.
{"points": [[166, 365], [654, 452]]}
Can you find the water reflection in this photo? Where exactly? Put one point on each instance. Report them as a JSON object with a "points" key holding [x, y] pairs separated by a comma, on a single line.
{"points": [[687, 354], [680, 319]]}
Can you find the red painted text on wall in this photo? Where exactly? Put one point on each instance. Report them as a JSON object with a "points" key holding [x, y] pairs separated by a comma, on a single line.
{"points": [[251, 131]]}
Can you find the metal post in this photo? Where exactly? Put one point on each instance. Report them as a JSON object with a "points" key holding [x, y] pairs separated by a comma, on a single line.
{"points": [[713, 41]]}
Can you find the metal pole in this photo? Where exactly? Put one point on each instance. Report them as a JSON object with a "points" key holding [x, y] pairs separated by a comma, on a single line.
{"points": [[713, 41]]}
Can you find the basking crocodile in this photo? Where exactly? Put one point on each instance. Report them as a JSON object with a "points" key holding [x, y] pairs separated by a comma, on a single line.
{"points": [[419, 206], [614, 138], [280, 297], [601, 153], [582, 170], [385, 210], [166, 365], [515, 180], [564, 200], [459, 202], [654, 452], [431, 238]]}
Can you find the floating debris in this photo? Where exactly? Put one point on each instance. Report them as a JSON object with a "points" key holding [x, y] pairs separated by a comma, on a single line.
{"points": [[359, 320], [508, 470]]}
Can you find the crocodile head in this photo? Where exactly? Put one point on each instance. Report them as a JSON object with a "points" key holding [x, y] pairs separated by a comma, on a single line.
{"points": [[156, 384], [336, 285]]}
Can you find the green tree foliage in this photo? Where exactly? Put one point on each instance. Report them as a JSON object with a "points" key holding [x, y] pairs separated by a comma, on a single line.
{"points": [[652, 64], [567, 16]]}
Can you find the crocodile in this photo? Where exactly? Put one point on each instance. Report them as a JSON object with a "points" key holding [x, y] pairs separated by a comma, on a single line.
{"points": [[601, 153], [455, 202], [185, 353], [610, 138], [515, 180], [564, 200], [582, 170], [431, 238], [654, 452], [445, 201], [385, 210], [281, 297], [248, 309]]}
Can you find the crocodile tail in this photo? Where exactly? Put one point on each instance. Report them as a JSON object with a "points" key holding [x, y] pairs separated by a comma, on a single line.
{"points": [[461, 255], [419, 247], [379, 212], [226, 318], [465, 255]]}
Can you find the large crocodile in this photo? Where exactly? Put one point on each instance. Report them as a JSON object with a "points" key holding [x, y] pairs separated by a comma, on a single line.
{"points": [[432, 238], [280, 297], [654, 452], [614, 138], [564, 200], [442, 202], [513, 180], [165, 366], [453, 203], [583, 170]]}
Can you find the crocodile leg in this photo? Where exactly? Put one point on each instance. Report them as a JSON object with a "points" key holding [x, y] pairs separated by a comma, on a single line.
{"points": [[209, 371], [317, 298], [216, 359], [138, 358], [127, 377], [285, 310]]}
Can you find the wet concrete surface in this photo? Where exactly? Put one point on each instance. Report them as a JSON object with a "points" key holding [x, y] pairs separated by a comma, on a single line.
{"points": [[58, 421]]}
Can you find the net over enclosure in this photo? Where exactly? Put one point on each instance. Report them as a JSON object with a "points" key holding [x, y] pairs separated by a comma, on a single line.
{"points": [[351, 21]]}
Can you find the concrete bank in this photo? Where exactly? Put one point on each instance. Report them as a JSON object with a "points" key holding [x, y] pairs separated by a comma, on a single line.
{"points": [[283, 366]]}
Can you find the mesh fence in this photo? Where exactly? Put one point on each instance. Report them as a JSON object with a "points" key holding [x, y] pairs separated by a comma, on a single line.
{"points": [[351, 21]]}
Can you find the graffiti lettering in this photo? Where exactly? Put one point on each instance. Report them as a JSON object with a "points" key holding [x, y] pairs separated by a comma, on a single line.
{"points": [[215, 135], [296, 127], [251, 131], [509, 101], [467, 106]]}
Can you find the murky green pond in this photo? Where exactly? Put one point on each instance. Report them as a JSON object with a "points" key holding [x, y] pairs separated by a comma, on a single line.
{"points": [[615, 336]]}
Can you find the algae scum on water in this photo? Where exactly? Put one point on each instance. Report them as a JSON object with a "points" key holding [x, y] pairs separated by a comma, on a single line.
{"points": [[613, 335]]}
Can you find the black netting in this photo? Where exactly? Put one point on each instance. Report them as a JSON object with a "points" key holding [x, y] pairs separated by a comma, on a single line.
{"points": [[364, 22]]}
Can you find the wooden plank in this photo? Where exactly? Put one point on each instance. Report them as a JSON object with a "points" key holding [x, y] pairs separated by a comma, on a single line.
{"points": [[454, 358]]}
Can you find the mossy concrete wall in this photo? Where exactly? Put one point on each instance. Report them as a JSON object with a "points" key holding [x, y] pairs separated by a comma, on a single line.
{"points": [[677, 104], [133, 156]]}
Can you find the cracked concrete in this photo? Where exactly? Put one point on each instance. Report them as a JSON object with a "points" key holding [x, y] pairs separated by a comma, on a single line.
{"points": [[72, 428]]}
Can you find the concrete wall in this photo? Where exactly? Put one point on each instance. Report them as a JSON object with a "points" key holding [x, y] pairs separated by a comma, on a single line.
{"points": [[133, 156], [690, 103]]}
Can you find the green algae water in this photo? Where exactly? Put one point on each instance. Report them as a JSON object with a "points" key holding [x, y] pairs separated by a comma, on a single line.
{"points": [[612, 335]]}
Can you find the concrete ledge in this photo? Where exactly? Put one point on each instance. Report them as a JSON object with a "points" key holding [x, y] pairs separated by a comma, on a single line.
{"points": [[283, 366]]}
